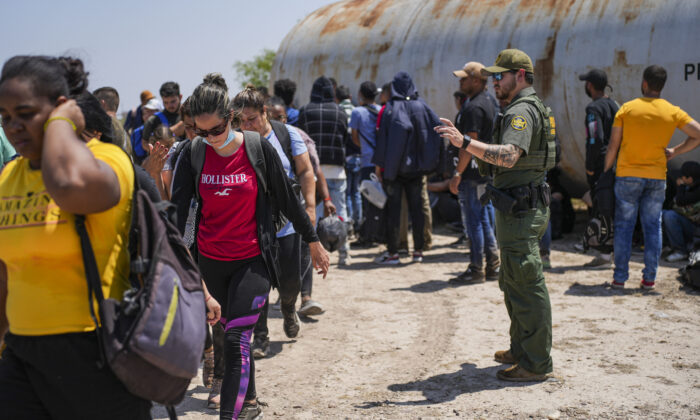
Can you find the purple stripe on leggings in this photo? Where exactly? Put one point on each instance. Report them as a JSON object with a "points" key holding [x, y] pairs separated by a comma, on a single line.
{"points": [[242, 322], [259, 301], [245, 372]]}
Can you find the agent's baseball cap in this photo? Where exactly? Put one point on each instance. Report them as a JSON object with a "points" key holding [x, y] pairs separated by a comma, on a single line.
{"points": [[597, 77], [146, 96], [472, 69], [510, 59]]}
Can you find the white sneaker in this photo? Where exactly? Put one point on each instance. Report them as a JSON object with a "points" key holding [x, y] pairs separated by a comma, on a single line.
{"points": [[381, 257], [388, 259], [676, 256], [417, 256], [344, 260]]}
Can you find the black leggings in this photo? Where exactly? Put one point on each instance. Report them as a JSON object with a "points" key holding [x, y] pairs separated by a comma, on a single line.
{"points": [[290, 280], [241, 287], [307, 270]]}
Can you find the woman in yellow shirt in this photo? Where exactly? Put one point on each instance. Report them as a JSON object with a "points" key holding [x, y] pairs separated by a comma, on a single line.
{"points": [[49, 368]]}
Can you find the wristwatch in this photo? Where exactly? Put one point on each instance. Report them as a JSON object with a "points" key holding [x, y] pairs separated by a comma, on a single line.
{"points": [[456, 173], [466, 142]]}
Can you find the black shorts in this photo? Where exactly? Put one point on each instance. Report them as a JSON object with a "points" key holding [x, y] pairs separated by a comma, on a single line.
{"points": [[57, 377]]}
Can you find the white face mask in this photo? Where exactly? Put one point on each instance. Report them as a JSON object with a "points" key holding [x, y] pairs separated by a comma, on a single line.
{"points": [[229, 139]]}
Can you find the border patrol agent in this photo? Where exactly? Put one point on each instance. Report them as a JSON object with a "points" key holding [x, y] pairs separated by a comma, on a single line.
{"points": [[522, 151]]}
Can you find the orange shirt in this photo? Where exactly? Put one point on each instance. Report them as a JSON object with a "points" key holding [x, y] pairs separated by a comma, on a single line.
{"points": [[647, 126]]}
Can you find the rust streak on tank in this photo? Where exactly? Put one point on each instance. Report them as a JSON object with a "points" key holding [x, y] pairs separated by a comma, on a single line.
{"points": [[544, 68], [374, 15], [438, 7]]}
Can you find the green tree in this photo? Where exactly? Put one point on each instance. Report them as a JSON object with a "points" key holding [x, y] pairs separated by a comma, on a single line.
{"points": [[257, 70]]}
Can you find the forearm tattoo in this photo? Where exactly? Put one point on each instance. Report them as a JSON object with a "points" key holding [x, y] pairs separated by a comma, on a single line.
{"points": [[505, 155]]}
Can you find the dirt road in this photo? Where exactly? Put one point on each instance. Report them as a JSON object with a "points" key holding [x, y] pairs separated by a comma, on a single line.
{"points": [[400, 343]]}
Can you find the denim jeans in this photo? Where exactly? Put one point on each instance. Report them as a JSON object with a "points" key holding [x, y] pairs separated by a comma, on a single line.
{"points": [[646, 196], [679, 229], [353, 196], [336, 188], [477, 221]]}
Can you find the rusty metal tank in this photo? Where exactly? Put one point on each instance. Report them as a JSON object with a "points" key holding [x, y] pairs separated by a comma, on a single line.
{"points": [[360, 40]]}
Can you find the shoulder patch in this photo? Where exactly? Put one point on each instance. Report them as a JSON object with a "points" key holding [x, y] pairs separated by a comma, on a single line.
{"points": [[518, 123]]}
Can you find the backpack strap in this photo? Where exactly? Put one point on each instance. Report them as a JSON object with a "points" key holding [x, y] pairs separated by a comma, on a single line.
{"points": [[282, 134], [136, 137], [92, 273], [254, 150], [372, 110], [163, 119], [94, 284], [198, 152]]}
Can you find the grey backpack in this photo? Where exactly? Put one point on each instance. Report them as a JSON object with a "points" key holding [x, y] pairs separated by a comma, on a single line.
{"points": [[154, 337]]}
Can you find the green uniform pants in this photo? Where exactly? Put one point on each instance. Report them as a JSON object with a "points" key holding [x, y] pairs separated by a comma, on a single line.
{"points": [[524, 289]]}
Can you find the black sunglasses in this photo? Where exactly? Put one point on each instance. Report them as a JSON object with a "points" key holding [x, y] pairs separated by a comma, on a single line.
{"points": [[213, 131], [499, 76]]}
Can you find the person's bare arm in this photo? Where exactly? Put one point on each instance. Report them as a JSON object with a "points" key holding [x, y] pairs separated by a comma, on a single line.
{"points": [[692, 129], [213, 307], [440, 186], [77, 181], [464, 159], [178, 128], [356, 138], [613, 148], [4, 325], [322, 191], [305, 176], [167, 182], [505, 155]]}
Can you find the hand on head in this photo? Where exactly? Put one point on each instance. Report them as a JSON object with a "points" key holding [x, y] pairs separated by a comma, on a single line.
{"points": [[69, 109]]}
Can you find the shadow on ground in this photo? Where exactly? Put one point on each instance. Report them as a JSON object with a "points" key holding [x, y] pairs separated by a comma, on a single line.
{"points": [[605, 290], [190, 404], [447, 387], [425, 287]]}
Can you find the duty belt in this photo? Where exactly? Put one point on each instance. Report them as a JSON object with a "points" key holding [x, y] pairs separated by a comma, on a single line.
{"points": [[517, 200]]}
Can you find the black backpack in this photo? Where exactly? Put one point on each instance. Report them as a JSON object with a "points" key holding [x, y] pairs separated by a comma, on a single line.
{"points": [[154, 337]]}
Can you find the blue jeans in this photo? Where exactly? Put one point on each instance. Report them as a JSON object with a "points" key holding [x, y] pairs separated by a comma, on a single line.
{"points": [[679, 229], [336, 188], [353, 196], [646, 196], [478, 226], [546, 241]]}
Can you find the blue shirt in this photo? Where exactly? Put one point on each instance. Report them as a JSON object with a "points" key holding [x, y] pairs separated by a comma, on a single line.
{"points": [[366, 124], [298, 148]]}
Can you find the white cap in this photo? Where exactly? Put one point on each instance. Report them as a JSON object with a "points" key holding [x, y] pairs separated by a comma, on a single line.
{"points": [[154, 105]]}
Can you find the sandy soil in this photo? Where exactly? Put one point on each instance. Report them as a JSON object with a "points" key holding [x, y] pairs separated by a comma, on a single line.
{"points": [[400, 343]]}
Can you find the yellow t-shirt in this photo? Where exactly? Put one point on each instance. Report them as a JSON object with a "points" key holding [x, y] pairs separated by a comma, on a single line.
{"points": [[647, 126], [47, 289]]}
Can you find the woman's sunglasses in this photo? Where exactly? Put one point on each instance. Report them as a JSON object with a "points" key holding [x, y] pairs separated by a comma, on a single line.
{"points": [[213, 131]]}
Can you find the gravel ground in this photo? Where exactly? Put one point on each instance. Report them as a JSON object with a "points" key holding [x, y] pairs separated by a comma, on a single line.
{"points": [[400, 343]]}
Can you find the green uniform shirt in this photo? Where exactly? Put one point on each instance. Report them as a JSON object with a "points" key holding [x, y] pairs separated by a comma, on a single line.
{"points": [[6, 149], [520, 124]]}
